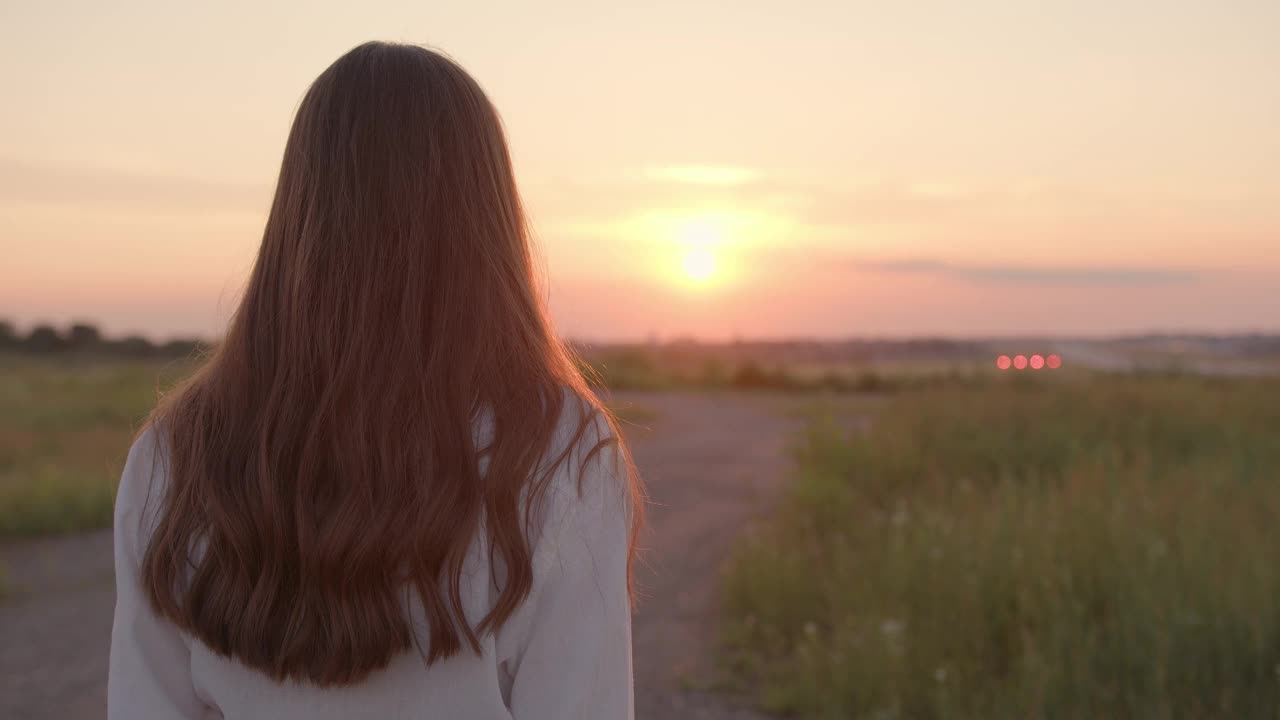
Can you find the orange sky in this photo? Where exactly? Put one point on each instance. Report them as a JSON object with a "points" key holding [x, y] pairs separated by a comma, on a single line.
{"points": [[700, 168]]}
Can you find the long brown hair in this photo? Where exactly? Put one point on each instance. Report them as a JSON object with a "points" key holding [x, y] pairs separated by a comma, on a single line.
{"points": [[325, 457]]}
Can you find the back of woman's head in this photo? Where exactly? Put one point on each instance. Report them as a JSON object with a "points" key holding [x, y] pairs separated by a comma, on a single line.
{"points": [[325, 457]]}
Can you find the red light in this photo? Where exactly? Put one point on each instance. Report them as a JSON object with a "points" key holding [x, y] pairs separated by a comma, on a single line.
{"points": [[1037, 362], [1054, 362], [1003, 362], [1020, 362]]}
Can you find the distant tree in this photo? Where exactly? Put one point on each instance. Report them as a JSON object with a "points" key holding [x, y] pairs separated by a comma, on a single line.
{"points": [[870, 381], [751, 375], [84, 337], [134, 346], [713, 373], [629, 368], [8, 336], [44, 339], [832, 380], [180, 348]]}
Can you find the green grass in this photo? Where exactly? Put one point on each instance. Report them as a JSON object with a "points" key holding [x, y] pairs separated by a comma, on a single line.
{"points": [[65, 428], [1078, 548], [66, 424]]}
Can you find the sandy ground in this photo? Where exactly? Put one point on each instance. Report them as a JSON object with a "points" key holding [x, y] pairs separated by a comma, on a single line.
{"points": [[713, 463]]}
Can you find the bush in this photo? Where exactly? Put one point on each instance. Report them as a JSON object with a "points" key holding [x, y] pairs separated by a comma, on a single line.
{"points": [[134, 346], [181, 348], [8, 337], [43, 339], [84, 337], [750, 376]]}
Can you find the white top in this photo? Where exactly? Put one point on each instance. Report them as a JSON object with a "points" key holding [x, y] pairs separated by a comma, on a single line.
{"points": [[566, 653]]}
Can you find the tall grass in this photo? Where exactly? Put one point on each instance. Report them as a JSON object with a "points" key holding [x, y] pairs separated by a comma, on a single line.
{"points": [[1078, 549], [65, 428]]}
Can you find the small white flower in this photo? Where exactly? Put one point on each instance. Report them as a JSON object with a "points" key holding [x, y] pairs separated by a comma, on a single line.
{"points": [[899, 517]]}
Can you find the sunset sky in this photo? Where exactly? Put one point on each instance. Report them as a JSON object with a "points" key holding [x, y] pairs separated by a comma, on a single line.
{"points": [[715, 169]]}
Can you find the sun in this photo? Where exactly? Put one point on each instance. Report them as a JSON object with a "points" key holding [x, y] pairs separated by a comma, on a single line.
{"points": [[697, 250], [699, 264], [700, 239]]}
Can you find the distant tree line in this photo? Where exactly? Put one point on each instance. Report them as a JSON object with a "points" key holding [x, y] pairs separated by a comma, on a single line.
{"points": [[631, 368], [83, 338]]}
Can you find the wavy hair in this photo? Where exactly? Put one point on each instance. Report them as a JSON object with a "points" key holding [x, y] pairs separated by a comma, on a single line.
{"points": [[325, 457]]}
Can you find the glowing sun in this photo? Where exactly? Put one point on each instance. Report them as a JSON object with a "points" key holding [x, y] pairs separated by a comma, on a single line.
{"points": [[699, 264]]}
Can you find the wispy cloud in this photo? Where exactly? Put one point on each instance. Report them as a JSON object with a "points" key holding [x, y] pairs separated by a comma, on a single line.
{"points": [[703, 174], [1092, 276], [28, 183]]}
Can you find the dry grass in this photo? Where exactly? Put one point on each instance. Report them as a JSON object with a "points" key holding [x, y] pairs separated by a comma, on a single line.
{"points": [[1070, 549]]}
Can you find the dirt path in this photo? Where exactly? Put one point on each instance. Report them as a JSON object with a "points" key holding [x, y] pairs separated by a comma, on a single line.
{"points": [[55, 627], [712, 462]]}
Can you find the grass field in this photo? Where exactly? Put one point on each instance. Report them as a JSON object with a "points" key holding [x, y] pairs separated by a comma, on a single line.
{"points": [[1030, 546], [1073, 547], [65, 428]]}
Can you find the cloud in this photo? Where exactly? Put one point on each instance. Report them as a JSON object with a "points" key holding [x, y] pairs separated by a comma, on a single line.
{"points": [[1066, 275], [28, 183], [703, 175]]}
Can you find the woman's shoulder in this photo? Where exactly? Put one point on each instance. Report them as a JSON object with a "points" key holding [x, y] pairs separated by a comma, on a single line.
{"points": [[588, 473], [581, 421], [141, 491]]}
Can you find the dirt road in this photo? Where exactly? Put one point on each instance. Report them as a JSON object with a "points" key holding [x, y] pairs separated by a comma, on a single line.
{"points": [[712, 462]]}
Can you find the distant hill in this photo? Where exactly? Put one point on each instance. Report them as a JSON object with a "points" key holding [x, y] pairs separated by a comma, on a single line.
{"points": [[1151, 351], [1253, 353]]}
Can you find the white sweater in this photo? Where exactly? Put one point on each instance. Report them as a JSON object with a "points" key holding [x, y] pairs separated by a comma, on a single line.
{"points": [[566, 653]]}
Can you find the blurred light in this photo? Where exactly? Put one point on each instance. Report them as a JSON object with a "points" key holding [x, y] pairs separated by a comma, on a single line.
{"points": [[699, 264], [1037, 362], [1054, 362], [1020, 362], [1003, 362]]}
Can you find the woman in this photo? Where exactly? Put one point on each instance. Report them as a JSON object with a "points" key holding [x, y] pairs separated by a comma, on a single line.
{"points": [[389, 492]]}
